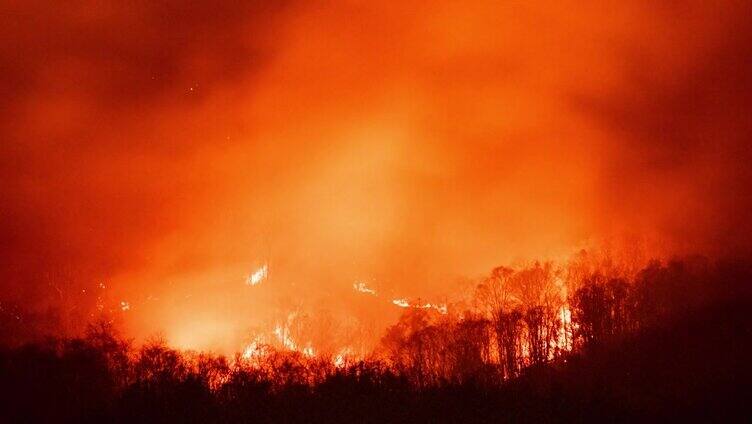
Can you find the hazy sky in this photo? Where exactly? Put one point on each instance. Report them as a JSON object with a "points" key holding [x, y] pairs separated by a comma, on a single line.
{"points": [[167, 150]]}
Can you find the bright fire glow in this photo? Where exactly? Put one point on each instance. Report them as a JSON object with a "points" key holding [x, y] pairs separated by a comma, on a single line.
{"points": [[340, 359], [283, 336], [257, 348], [258, 276], [362, 287], [346, 158], [565, 331], [438, 307], [402, 303]]}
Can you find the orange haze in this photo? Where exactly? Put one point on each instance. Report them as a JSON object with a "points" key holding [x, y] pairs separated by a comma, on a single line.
{"points": [[168, 151]]}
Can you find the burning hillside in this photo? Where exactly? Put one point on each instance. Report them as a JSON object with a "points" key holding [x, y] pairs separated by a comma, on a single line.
{"points": [[388, 195]]}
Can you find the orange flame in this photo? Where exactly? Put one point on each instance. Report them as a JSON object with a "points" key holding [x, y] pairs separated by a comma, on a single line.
{"points": [[258, 276], [362, 287]]}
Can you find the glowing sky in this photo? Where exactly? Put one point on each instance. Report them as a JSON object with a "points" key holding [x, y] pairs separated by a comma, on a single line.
{"points": [[172, 150]]}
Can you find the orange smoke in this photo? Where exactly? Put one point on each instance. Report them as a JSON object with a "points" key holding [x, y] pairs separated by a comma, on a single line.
{"points": [[221, 166]]}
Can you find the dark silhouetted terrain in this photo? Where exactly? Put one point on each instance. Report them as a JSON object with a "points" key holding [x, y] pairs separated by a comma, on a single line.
{"points": [[673, 343]]}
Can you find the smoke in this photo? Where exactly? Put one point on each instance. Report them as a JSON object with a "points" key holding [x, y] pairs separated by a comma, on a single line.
{"points": [[676, 164], [167, 151]]}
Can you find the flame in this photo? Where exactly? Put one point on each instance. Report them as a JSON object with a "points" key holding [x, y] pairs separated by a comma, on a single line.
{"points": [[441, 308], [565, 315], [309, 351], [256, 349], [283, 335], [258, 276], [362, 287], [340, 359], [402, 303], [438, 307], [564, 336]]}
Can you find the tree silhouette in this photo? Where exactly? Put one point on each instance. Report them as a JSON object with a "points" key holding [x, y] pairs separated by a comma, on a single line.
{"points": [[669, 342]]}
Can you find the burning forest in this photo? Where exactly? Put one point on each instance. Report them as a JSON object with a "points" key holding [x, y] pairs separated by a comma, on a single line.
{"points": [[356, 211]]}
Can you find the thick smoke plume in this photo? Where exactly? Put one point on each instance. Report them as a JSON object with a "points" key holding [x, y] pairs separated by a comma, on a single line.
{"points": [[158, 153]]}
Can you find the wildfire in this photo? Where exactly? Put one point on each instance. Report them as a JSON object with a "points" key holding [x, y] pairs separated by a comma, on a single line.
{"points": [[340, 359], [441, 308], [438, 307], [402, 303], [565, 315], [362, 287], [283, 335], [258, 276], [256, 349], [309, 351], [564, 336]]}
